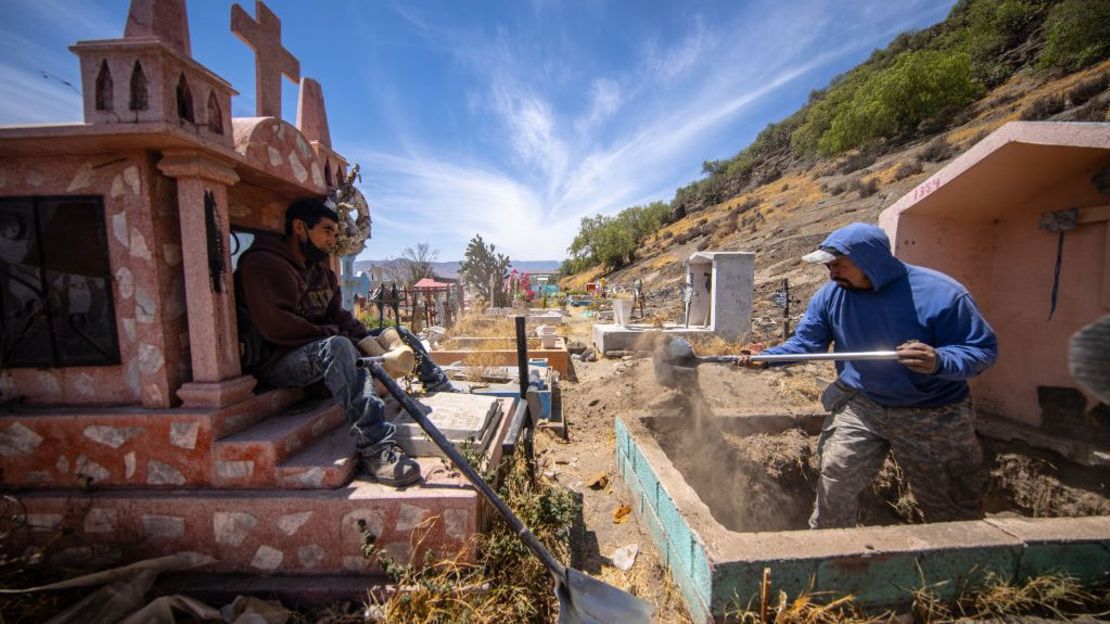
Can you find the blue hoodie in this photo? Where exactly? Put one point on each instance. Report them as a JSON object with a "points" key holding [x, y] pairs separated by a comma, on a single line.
{"points": [[906, 302]]}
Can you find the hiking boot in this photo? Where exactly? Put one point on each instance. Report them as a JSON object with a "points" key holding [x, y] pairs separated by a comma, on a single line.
{"points": [[387, 464]]}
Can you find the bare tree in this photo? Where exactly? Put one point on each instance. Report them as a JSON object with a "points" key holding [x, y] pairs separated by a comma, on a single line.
{"points": [[415, 264]]}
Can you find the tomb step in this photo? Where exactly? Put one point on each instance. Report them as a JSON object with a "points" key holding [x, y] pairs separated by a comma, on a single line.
{"points": [[249, 458], [329, 462], [261, 531], [238, 417]]}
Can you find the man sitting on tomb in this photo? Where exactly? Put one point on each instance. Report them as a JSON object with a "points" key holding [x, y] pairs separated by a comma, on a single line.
{"points": [[916, 407], [293, 300]]}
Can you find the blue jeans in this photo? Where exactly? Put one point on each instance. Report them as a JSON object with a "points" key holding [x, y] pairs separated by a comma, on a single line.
{"points": [[333, 361]]}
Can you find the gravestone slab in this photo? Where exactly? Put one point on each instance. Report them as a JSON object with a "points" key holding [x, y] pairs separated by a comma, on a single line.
{"points": [[458, 416]]}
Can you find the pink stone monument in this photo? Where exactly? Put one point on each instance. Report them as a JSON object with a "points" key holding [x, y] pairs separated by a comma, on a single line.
{"points": [[987, 219], [121, 382]]}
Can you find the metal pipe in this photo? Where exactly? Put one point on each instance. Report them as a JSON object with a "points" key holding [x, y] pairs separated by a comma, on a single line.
{"points": [[807, 357], [522, 355]]}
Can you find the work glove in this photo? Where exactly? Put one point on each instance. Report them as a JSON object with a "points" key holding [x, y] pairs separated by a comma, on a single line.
{"points": [[398, 359], [370, 346]]}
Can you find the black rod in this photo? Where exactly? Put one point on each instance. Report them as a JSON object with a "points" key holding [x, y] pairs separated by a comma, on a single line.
{"points": [[522, 355], [518, 527]]}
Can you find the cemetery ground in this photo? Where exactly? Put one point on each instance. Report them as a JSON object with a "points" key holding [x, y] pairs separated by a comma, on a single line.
{"points": [[1025, 482], [594, 529]]}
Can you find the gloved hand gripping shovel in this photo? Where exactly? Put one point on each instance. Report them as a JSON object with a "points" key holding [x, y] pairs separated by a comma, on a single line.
{"points": [[582, 599]]}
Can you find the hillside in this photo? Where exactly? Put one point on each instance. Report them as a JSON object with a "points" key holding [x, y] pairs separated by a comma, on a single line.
{"points": [[774, 200]]}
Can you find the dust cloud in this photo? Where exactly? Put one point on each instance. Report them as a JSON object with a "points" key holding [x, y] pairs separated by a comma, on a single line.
{"points": [[739, 492]]}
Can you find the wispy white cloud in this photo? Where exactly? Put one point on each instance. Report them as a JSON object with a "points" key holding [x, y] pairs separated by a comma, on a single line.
{"points": [[530, 128], [621, 146], [420, 198], [669, 62], [605, 99], [30, 97], [40, 84]]}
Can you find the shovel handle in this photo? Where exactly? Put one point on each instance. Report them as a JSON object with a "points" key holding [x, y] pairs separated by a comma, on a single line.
{"points": [[472, 475], [805, 357]]}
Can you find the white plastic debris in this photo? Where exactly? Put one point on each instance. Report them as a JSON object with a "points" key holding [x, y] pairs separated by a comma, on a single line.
{"points": [[624, 558]]}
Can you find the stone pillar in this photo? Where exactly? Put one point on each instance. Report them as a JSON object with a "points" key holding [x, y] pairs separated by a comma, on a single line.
{"points": [[733, 285], [209, 298]]}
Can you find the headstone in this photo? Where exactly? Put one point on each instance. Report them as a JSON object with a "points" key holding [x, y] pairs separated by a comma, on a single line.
{"points": [[720, 286], [458, 417]]}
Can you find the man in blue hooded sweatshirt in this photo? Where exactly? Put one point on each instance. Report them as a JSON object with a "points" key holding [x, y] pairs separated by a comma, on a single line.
{"points": [[916, 407]]}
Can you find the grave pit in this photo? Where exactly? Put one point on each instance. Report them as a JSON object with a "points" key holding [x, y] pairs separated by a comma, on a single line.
{"points": [[718, 561]]}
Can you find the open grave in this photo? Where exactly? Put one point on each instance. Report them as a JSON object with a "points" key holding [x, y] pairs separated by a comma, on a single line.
{"points": [[720, 516], [726, 496], [495, 351]]}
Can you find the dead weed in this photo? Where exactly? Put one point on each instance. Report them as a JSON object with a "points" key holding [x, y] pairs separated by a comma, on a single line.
{"points": [[504, 583]]}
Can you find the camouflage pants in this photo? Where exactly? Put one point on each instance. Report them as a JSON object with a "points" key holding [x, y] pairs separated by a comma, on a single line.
{"points": [[935, 447]]}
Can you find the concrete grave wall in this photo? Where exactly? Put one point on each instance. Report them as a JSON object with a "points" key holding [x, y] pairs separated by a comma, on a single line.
{"points": [[977, 220], [719, 570], [722, 283]]}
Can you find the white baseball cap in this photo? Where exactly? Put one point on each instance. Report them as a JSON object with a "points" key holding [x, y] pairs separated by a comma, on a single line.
{"points": [[823, 255]]}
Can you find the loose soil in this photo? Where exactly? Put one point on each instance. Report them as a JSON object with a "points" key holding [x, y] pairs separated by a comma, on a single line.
{"points": [[608, 388], [778, 471]]}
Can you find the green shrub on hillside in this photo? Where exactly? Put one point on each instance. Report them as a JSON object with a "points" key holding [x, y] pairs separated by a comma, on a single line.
{"points": [[920, 82], [984, 29], [612, 241], [1078, 35], [917, 86]]}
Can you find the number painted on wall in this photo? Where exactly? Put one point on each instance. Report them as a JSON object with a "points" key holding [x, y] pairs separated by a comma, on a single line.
{"points": [[928, 187]]}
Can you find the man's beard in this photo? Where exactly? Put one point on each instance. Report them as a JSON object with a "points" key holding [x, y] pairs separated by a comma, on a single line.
{"points": [[846, 285], [312, 253]]}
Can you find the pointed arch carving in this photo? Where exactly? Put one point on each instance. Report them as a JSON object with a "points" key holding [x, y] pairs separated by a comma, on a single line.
{"points": [[185, 100], [327, 173], [215, 114], [104, 95], [138, 99]]}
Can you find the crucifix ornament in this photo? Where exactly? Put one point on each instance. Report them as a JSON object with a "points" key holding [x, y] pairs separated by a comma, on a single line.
{"points": [[271, 60]]}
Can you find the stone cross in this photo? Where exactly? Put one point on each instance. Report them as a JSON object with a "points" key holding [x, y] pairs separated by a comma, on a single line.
{"points": [[271, 60]]}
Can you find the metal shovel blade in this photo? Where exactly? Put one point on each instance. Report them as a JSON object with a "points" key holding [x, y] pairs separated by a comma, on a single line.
{"points": [[586, 600], [581, 598], [674, 363]]}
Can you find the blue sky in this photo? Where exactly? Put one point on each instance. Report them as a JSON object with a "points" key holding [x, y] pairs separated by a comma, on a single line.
{"points": [[513, 119]]}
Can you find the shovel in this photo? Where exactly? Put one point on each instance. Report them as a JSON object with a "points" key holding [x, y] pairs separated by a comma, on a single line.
{"points": [[676, 364], [582, 598]]}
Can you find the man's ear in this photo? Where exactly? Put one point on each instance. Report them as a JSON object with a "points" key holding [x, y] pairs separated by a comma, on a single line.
{"points": [[299, 228]]}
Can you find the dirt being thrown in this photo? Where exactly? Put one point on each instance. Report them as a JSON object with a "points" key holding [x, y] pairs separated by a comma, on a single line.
{"points": [[737, 488]]}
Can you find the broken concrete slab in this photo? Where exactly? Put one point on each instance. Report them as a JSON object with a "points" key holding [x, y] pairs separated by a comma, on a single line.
{"points": [[459, 417]]}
